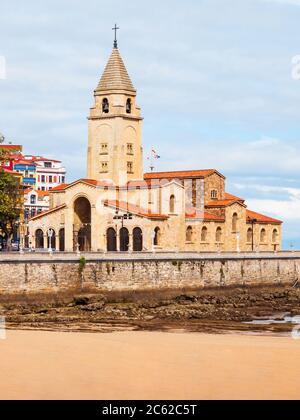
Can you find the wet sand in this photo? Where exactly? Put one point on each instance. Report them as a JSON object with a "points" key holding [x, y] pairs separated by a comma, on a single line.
{"points": [[147, 365]]}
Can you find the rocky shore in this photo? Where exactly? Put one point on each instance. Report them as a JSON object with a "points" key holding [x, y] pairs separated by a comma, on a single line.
{"points": [[216, 310]]}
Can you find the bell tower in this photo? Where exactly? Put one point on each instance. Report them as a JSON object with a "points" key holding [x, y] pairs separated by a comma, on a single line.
{"points": [[115, 126]]}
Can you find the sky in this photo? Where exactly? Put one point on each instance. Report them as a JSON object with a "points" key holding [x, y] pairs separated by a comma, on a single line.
{"points": [[216, 79]]}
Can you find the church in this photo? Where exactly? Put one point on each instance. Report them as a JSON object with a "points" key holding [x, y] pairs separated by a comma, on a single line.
{"points": [[119, 208]]}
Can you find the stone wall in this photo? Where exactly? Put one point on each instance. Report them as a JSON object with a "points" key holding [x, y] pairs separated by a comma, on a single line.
{"points": [[46, 274]]}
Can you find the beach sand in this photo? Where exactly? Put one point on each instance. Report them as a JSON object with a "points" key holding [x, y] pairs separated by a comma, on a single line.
{"points": [[142, 365]]}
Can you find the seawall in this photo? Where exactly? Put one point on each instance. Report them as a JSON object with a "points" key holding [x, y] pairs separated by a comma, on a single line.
{"points": [[34, 273]]}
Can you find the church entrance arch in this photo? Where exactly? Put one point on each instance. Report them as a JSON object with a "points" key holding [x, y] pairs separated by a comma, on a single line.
{"points": [[82, 225]]}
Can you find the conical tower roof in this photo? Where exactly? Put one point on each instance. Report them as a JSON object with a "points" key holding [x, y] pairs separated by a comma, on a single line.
{"points": [[115, 76]]}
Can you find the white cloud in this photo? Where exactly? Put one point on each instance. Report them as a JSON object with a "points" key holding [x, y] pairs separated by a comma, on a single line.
{"points": [[215, 77], [266, 156], [287, 208]]}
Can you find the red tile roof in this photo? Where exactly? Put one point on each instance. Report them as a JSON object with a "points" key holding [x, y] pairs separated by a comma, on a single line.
{"points": [[22, 161], [202, 173], [42, 159], [260, 218], [228, 201], [131, 184], [233, 197], [60, 187], [14, 147], [132, 208], [93, 183], [206, 216], [49, 212], [43, 193], [39, 192]]}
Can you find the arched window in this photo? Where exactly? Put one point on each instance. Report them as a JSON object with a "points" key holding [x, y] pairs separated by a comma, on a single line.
{"points": [[111, 240], [105, 106], [62, 240], [263, 236], [157, 236], [234, 222], [172, 204], [189, 234], [219, 234], [204, 234], [51, 240], [124, 240], [275, 236], [137, 240], [249, 235], [39, 239], [128, 106], [214, 194]]}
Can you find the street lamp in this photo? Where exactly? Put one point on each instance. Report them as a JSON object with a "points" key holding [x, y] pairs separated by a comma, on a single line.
{"points": [[50, 235], [126, 216], [253, 221]]}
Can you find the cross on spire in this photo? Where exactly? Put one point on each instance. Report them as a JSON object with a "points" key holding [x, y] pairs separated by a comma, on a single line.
{"points": [[116, 28]]}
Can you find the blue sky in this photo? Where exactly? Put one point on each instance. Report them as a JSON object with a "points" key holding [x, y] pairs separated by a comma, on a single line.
{"points": [[214, 80]]}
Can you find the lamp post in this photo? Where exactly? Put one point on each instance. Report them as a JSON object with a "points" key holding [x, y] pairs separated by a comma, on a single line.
{"points": [[253, 222], [50, 235], [238, 238], [127, 216], [123, 217], [22, 236]]}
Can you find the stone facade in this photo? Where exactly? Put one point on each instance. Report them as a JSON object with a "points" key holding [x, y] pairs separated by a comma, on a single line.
{"points": [[115, 147], [118, 208], [54, 274]]}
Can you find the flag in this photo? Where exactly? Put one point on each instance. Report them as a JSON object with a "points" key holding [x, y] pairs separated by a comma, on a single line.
{"points": [[155, 155]]}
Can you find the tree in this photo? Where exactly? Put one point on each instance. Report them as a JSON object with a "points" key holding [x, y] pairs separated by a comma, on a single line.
{"points": [[10, 202]]}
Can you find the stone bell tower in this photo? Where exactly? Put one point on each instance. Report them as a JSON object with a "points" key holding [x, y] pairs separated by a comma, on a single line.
{"points": [[115, 137]]}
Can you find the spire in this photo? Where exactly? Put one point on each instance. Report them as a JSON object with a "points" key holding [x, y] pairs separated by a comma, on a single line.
{"points": [[115, 76]]}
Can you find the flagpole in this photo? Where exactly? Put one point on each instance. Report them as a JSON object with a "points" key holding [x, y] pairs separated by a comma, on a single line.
{"points": [[152, 160]]}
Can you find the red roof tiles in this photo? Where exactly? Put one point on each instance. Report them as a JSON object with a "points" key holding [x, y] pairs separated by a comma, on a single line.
{"points": [[132, 208], [260, 218], [202, 173], [228, 201], [206, 216], [233, 197], [13, 147], [60, 187], [49, 212]]}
